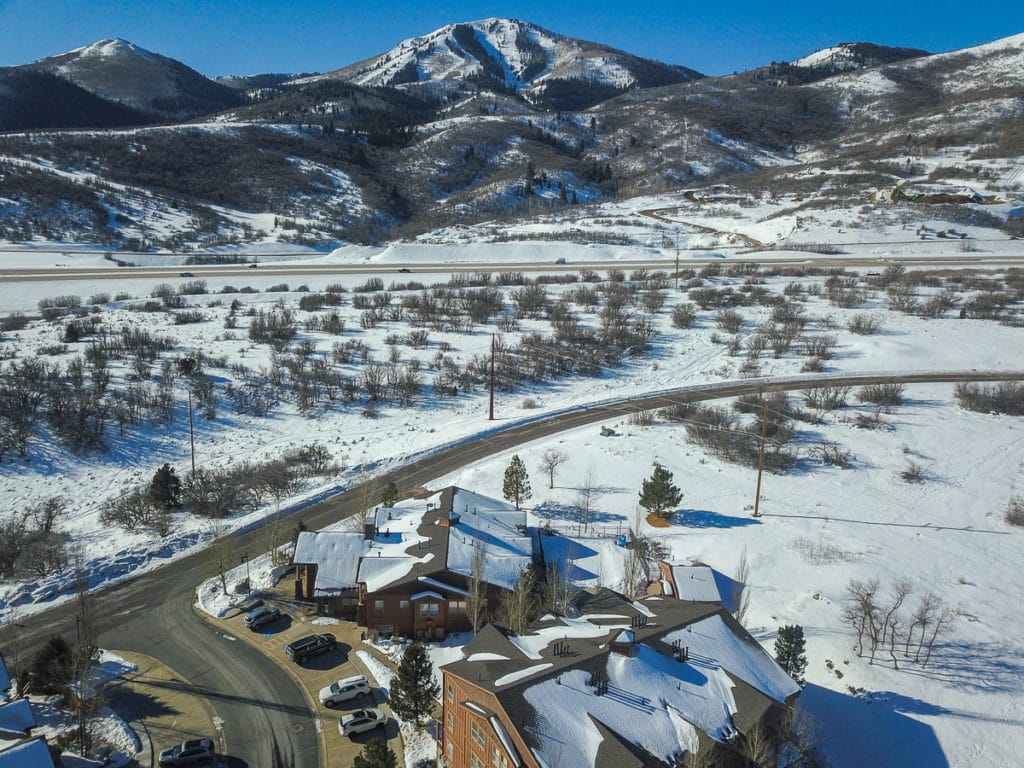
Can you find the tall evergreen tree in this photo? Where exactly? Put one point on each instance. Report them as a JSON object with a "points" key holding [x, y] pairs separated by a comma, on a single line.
{"points": [[376, 754], [659, 495], [517, 483], [414, 689], [789, 651], [165, 489], [389, 495]]}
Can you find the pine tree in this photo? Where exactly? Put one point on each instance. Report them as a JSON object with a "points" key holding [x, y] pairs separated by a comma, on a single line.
{"points": [[789, 651], [659, 495], [414, 689], [389, 495], [165, 489], [517, 483], [376, 754]]}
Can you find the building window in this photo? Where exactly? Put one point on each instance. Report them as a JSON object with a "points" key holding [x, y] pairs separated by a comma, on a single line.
{"points": [[477, 734], [385, 630], [404, 605], [451, 692], [474, 761], [451, 750], [378, 607], [456, 606], [451, 722], [498, 757], [428, 609]]}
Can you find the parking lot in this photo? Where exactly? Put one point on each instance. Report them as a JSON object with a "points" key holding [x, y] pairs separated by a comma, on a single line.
{"points": [[337, 751]]}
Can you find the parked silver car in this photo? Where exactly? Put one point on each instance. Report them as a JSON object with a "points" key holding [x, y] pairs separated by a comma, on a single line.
{"points": [[361, 721], [194, 752], [344, 689], [257, 617]]}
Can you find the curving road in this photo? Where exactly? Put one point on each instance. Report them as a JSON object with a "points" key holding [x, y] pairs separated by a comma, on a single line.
{"points": [[267, 722]]}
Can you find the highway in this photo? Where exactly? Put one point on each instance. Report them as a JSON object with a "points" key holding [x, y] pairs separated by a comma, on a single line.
{"points": [[266, 721], [409, 270]]}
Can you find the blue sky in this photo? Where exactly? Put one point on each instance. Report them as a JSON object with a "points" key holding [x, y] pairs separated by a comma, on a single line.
{"points": [[246, 36]]}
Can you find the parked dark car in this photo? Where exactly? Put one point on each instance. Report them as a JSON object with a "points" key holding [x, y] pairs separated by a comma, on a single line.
{"points": [[194, 752], [309, 646], [256, 618]]}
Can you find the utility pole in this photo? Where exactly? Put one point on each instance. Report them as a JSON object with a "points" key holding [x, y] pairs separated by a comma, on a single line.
{"points": [[191, 430], [494, 343], [760, 460], [677, 258]]}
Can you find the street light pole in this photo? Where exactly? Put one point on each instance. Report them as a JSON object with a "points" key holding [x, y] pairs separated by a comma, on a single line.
{"points": [[248, 581]]}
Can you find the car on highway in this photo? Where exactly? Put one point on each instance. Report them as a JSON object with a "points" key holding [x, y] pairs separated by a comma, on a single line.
{"points": [[310, 645], [345, 689], [254, 265], [193, 752], [361, 721], [257, 617], [186, 274], [404, 269]]}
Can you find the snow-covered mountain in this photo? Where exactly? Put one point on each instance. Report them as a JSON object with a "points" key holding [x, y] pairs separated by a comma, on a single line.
{"points": [[122, 72], [512, 54], [845, 57]]}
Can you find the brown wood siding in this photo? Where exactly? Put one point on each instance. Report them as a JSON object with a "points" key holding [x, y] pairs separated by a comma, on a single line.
{"points": [[460, 734]]}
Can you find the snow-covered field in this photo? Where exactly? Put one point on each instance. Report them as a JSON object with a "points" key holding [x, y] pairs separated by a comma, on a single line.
{"points": [[822, 527]]}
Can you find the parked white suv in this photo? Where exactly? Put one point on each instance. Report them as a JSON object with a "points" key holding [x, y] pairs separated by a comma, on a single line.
{"points": [[344, 689], [361, 721]]}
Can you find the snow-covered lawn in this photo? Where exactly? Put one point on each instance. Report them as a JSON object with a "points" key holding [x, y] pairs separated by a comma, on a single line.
{"points": [[822, 527]]}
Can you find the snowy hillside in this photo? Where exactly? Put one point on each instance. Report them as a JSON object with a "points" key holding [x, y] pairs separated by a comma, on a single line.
{"points": [[122, 72], [513, 53]]}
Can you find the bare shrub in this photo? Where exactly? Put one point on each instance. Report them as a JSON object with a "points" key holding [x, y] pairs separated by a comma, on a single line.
{"points": [[641, 419], [1014, 513], [729, 320], [1004, 397], [828, 397], [684, 315], [871, 420], [865, 325], [821, 347], [821, 552], [834, 454], [913, 472], [881, 394]]}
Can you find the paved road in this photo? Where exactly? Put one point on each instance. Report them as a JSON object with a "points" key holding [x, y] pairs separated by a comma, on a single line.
{"points": [[267, 722], [286, 269]]}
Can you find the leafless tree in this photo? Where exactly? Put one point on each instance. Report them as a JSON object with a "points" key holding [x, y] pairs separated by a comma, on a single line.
{"points": [[741, 588], [891, 621], [85, 658], [222, 552], [861, 610], [47, 512], [558, 587], [586, 497], [922, 619], [550, 461], [516, 607], [943, 621], [476, 600]]}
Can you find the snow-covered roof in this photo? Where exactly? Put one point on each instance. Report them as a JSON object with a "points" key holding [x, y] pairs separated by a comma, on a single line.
{"points": [[27, 754], [581, 699], [495, 526], [336, 555], [712, 643], [16, 717], [698, 583], [427, 593]]}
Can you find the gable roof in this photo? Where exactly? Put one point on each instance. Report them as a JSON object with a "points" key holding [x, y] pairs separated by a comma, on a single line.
{"points": [[336, 555], [701, 583]]}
